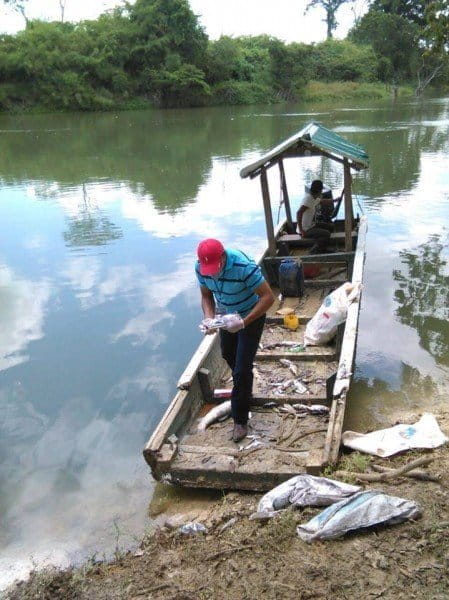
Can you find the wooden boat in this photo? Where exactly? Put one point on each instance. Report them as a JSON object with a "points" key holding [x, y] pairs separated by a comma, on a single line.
{"points": [[176, 452]]}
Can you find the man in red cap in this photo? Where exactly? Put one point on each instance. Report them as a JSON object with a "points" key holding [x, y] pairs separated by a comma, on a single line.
{"points": [[232, 284]]}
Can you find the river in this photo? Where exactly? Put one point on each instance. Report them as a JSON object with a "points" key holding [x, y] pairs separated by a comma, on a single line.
{"points": [[99, 309]]}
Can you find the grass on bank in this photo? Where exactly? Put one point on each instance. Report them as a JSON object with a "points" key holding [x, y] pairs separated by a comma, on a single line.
{"points": [[319, 91]]}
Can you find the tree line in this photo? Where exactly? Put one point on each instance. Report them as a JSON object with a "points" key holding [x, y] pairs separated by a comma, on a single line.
{"points": [[155, 52]]}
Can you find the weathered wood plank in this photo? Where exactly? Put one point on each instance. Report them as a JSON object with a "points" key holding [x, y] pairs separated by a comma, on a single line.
{"points": [[285, 196], [268, 214], [161, 431], [348, 205], [279, 319], [261, 399], [347, 356], [206, 384], [323, 283], [196, 361], [299, 356]]}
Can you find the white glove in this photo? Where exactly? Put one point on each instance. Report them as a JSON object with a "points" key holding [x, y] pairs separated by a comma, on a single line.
{"points": [[233, 323], [206, 326]]}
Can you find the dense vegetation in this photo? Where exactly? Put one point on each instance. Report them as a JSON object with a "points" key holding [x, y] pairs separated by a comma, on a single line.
{"points": [[154, 52]]}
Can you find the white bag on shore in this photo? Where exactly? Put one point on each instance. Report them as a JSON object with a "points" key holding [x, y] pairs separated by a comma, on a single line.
{"points": [[304, 490], [361, 510], [333, 311], [425, 433]]}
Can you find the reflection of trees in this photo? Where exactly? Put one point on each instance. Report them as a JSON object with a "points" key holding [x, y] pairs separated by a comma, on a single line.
{"points": [[163, 154], [423, 295], [167, 154], [90, 227], [396, 138], [371, 399]]}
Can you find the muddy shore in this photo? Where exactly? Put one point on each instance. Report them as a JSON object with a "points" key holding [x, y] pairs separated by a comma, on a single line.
{"points": [[244, 559]]}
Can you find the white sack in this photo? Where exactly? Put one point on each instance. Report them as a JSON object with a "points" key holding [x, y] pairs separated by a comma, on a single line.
{"points": [[364, 509], [304, 490], [333, 311], [425, 433]]}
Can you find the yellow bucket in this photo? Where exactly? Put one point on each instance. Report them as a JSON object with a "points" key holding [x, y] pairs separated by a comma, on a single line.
{"points": [[291, 322]]}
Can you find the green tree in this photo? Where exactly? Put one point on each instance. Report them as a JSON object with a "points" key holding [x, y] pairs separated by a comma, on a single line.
{"points": [[343, 60], [168, 50], [394, 40], [412, 10], [436, 31], [331, 7]]}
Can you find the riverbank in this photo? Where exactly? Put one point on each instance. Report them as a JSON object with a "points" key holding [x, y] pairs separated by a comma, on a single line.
{"points": [[244, 559], [240, 95]]}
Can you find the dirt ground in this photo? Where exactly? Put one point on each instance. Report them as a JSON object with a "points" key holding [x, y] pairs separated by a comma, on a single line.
{"points": [[244, 559]]}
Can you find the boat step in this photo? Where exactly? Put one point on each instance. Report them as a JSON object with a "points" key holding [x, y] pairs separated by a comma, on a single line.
{"points": [[261, 399], [328, 354]]}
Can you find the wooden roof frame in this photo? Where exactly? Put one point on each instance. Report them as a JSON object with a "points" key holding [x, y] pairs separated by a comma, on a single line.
{"points": [[301, 144]]}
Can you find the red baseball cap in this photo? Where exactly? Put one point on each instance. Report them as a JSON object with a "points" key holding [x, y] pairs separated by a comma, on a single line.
{"points": [[210, 252]]}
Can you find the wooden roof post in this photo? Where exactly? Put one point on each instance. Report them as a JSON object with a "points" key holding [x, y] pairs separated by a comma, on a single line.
{"points": [[285, 197], [268, 213], [348, 206]]}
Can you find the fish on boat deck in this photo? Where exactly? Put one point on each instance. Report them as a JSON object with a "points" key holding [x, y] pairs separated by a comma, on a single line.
{"points": [[222, 410]]}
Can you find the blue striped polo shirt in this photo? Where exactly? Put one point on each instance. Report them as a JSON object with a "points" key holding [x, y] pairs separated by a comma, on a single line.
{"points": [[233, 289]]}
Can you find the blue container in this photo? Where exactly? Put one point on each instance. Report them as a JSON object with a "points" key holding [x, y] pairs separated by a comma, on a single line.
{"points": [[291, 278]]}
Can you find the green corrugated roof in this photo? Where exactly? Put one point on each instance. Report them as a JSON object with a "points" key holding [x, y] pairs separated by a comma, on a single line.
{"points": [[313, 139]]}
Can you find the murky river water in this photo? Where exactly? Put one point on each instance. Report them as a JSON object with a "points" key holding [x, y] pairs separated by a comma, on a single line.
{"points": [[99, 308]]}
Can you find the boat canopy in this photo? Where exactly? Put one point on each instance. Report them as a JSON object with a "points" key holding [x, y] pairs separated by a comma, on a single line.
{"points": [[313, 140]]}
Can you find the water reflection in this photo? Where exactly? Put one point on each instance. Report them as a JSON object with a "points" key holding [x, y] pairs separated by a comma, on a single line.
{"points": [[100, 306], [90, 226], [423, 294], [375, 402], [22, 307]]}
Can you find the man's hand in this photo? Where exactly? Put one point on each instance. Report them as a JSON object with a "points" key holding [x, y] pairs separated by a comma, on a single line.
{"points": [[206, 328], [234, 323]]}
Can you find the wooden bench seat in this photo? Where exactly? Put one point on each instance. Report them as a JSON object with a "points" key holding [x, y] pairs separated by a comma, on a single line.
{"points": [[296, 238]]}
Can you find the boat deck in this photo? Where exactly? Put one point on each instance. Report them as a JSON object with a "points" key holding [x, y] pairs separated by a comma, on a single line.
{"points": [[279, 445]]}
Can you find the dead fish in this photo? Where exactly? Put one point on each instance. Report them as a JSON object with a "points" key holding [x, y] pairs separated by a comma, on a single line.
{"points": [[300, 387], [283, 385], [288, 363], [318, 409], [301, 407], [313, 409], [217, 412], [253, 444], [288, 408], [282, 344], [269, 405]]}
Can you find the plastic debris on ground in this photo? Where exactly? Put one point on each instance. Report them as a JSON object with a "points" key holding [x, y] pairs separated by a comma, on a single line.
{"points": [[323, 325], [303, 490], [362, 510], [192, 528], [425, 433]]}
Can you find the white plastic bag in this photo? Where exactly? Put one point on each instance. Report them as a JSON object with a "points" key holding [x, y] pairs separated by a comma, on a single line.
{"points": [[425, 433], [303, 490], [364, 509], [333, 311]]}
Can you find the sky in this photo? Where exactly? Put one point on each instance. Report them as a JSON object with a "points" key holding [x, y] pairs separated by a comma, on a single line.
{"points": [[283, 19]]}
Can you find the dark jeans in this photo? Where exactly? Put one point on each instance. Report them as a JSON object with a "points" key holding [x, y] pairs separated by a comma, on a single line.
{"points": [[320, 232], [239, 350]]}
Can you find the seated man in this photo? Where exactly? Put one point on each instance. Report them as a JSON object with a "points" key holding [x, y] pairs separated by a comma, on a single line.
{"points": [[310, 217]]}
